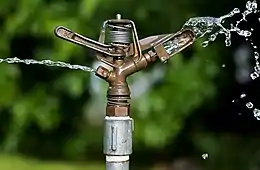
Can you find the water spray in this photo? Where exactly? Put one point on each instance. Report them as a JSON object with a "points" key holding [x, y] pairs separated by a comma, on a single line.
{"points": [[123, 54]]}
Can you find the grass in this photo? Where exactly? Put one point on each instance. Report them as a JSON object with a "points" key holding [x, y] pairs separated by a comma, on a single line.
{"points": [[8, 162]]}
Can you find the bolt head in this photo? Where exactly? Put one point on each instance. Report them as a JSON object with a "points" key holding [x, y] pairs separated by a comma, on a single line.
{"points": [[117, 110]]}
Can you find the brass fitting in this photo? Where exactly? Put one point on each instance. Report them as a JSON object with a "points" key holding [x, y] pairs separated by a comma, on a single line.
{"points": [[126, 57], [117, 110]]}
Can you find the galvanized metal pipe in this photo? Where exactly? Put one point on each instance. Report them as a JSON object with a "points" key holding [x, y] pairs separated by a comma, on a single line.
{"points": [[117, 142]]}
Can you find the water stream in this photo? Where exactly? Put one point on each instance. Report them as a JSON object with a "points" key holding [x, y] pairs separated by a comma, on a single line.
{"points": [[49, 63], [215, 26], [203, 26]]}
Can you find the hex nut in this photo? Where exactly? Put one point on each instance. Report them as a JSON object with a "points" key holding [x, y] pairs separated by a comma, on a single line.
{"points": [[117, 110]]}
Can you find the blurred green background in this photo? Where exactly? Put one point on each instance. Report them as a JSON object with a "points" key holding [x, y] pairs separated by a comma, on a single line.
{"points": [[51, 118]]}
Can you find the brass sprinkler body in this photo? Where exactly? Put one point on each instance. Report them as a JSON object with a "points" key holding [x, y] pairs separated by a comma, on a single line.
{"points": [[124, 55]]}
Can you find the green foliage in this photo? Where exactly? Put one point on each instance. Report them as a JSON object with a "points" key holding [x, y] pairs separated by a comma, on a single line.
{"points": [[161, 114], [60, 100], [14, 162], [227, 151]]}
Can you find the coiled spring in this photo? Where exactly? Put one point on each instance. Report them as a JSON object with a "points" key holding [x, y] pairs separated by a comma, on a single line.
{"points": [[120, 34]]}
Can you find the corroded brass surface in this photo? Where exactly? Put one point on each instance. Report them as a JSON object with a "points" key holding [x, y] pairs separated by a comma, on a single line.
{"points": [[126, 58]]}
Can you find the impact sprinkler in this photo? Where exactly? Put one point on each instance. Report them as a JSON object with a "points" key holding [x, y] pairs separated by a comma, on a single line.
{"points": [[119, 48]]}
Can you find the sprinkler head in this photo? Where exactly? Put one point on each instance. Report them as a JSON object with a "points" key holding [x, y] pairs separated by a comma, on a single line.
{"points": [[122, 51], [122, 43]]}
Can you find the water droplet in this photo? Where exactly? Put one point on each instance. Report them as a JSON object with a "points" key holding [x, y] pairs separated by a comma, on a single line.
{"points": [[227, 42], [242, 95], [246, 33], [248, 5], [205, 44], [254, 75], [254, 5], [249, 105], [212, 37], [256, 113], [236, 10], [257, 68], [205, 156]]}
